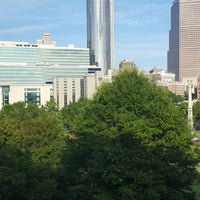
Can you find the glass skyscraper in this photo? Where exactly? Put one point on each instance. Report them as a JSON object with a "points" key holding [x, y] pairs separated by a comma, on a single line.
{"points": [[100, 33], [184, 39]]}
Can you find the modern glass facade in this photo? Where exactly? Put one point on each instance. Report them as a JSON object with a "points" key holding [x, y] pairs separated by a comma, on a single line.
{"points": [[100, 33], [184, 39], [28, 72], [38, 64]]}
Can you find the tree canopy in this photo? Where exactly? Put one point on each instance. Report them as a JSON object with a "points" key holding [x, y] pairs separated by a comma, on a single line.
{"points": [[196, 111], [129, 142], [32, 141]]}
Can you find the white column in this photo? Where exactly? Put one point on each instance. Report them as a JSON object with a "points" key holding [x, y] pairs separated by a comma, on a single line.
{"points": [[190, 113]]}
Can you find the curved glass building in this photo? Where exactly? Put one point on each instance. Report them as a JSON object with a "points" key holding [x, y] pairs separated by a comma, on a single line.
{"points": [[100, 33]]}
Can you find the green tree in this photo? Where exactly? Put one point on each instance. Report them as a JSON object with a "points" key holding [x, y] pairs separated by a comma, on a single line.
{"points": [[51, 106], [130, 142], [71, 112], [39, 132], [176, 98], [14, 170], [196, 111]]}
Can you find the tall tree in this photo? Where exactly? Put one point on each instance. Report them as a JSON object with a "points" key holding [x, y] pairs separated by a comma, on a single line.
{"points": [[130, 142]]}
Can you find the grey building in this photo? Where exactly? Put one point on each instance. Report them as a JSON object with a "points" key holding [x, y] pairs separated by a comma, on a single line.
{"points": [[184, 39], [100, 33]]}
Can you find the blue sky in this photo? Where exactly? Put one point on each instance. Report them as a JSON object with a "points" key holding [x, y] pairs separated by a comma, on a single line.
{"points": [[141, 26]]}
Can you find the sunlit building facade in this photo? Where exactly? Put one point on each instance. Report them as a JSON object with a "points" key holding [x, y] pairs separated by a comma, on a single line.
{"points": [[68, 89], [127, 63], [184, 39], [28, 71], [100, 33]]}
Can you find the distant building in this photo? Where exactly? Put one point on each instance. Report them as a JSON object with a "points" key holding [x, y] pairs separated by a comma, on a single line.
{"points": [[167, 80], [161, 76], [193, 81], [184, 39], [156, 70], [46, 40], [100, 33], [127, 63], [29, 93], [28, 71], [68, 89], [198, 87], [164, 77], [177, 88]]}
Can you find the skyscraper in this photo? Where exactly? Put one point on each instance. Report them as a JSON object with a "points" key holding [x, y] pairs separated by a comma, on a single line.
{"points": [[100, 33], [184, 39]]}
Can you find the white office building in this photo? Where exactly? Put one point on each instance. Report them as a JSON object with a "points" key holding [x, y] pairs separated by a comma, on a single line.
{"points": [[32, 72]]}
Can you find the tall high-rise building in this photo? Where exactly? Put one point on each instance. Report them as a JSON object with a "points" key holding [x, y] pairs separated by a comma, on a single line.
{"points": [[100, 33], [184, 39]]}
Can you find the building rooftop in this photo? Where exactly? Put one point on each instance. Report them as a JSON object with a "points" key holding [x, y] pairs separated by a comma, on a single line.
{"points": [[44, 42]]}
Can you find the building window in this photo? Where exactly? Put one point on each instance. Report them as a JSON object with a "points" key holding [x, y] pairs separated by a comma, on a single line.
{"points": [[32, 95], [5, 95], [65, 92], [57, 100], [82, 88], [51, 94], [65, 86], [65, 99], [73, 91], [100, 79]]}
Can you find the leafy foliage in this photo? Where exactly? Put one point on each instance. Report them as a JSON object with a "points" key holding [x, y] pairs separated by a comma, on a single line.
{"points": [[70, 113], [196, 111], [39, 133], [13, 173], [176, 98], [130, 142]]}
